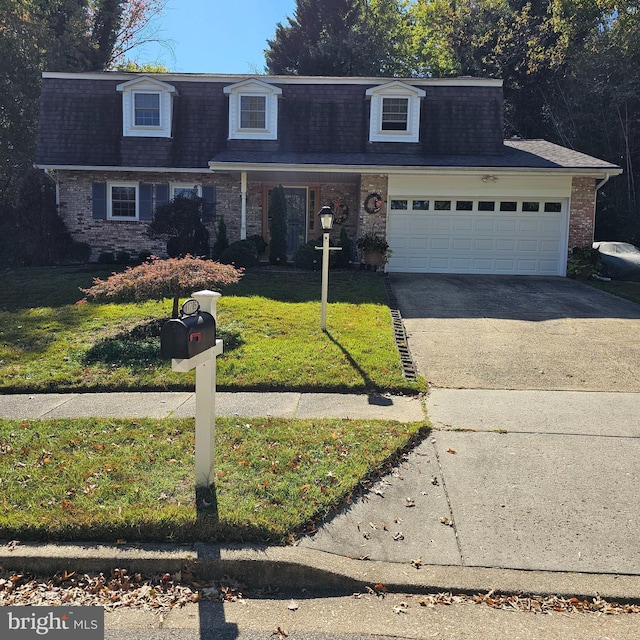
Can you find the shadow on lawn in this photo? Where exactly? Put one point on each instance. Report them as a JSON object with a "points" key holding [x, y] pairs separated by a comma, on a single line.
{"points": [[284, 285]]}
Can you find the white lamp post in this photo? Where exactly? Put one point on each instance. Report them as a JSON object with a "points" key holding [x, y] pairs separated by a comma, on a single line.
{"points": [[326, 222]]}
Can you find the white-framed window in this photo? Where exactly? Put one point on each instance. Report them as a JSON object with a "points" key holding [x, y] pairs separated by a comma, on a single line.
{"points": [[395, 112], [253, 110], [147, 106], [146, 109], [186, 190], [122, 201]]}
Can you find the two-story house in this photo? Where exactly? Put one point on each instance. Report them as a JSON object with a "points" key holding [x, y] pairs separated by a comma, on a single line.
{"points": [[421, 160]]}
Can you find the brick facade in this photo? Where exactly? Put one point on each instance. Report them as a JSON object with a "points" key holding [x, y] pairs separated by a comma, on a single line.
{"points": [[75, 193], [582, 213]]}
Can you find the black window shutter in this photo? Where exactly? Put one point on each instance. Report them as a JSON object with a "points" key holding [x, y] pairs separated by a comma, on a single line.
{"points": [[162, 194], [145, 206], [209, 209], [99, 200]]}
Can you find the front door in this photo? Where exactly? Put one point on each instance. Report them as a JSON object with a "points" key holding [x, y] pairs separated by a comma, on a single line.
{"points": [[296, 198]]}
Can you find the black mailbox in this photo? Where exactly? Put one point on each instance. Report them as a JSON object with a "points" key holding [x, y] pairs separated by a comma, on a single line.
{"points": [[187, 336]]}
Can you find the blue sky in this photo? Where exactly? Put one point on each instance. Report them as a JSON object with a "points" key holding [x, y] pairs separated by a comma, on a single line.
{"points": [[216, 36]]}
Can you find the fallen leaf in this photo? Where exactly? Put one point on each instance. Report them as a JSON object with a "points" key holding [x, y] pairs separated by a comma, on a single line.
{"points": [[417, 563], [401, 608], [446, 521], [398, 536], [380, 588], [280, 633], [434, 481], [451, 451]]}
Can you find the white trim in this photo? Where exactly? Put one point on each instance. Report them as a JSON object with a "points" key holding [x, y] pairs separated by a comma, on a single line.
{"points": [[110, 215], [225, 167], [208, 77], [184, 185], [253, 88], [394, 90], [82, 167], [149, 86]]}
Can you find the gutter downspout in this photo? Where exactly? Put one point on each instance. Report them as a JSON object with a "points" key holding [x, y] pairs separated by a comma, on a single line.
{"points": [[243, 212], [602, 182], [595, 196], [52, 174]]}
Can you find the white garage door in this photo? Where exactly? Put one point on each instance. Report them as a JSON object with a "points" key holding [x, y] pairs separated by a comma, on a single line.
{"points": [[431, 235]]}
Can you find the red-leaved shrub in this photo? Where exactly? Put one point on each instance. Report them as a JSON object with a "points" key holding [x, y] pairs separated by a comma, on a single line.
{"points": [[158, 279]]}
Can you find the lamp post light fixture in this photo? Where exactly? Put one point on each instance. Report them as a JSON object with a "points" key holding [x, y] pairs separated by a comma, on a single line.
{"points": [[326, 222]]}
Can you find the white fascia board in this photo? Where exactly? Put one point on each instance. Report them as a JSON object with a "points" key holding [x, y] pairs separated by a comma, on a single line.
{"points": [[299, 80], [410, 170], [81, 167]]}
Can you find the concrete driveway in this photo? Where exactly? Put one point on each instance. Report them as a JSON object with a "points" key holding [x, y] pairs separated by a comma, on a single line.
{"points": [[508, 332]]}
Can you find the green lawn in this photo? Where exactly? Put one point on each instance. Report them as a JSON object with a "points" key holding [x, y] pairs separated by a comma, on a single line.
{"points": [[269, 324], [628, 290], [133, 480]]}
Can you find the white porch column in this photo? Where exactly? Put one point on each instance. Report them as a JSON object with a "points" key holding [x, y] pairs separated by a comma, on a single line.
{"points": [[243, 211]]}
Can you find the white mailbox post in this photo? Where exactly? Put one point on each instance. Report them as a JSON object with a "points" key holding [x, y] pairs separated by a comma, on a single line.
{"points": [[205, 365]]}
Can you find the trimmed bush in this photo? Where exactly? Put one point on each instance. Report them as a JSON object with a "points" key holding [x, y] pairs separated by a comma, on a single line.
{"points": [[222, 241], [259, 242], [79, 252], [106, 257], [308, 257], [241, 254], [278, 226]]}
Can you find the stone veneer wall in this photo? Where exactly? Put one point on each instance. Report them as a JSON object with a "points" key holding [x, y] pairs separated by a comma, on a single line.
{"points": [[582, 213]]}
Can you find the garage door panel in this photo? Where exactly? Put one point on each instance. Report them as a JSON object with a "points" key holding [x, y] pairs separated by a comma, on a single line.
{"points": [[441, 224], [485, 226], [508, 226], [519, 242], [528, 245], [463, 225], [462, 244], [484, 244], [418, 243]]}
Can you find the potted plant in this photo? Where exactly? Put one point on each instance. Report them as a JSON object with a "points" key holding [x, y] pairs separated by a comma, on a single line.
{"points": [[373, 249]]}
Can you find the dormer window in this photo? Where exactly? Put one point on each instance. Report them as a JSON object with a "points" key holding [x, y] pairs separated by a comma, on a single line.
{"points": [[253, 110], [147, 106], [146, 109], [395, 113]]}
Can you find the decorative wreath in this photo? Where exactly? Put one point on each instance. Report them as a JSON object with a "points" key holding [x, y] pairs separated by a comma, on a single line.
{"points": [[373, 203], [340, 211]]}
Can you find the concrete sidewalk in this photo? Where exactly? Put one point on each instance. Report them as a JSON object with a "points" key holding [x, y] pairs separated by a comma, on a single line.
{"points": [[183, 404], [532, 491]]}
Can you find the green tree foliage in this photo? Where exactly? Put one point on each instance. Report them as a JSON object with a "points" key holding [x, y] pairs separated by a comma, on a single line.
{"points": [[54, 35], [222, 240], [570, 70], [339, 38], [179, 223], [278, 226]]}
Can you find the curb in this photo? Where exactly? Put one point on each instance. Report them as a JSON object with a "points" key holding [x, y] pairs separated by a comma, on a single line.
{"points": [[297, 568]]}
